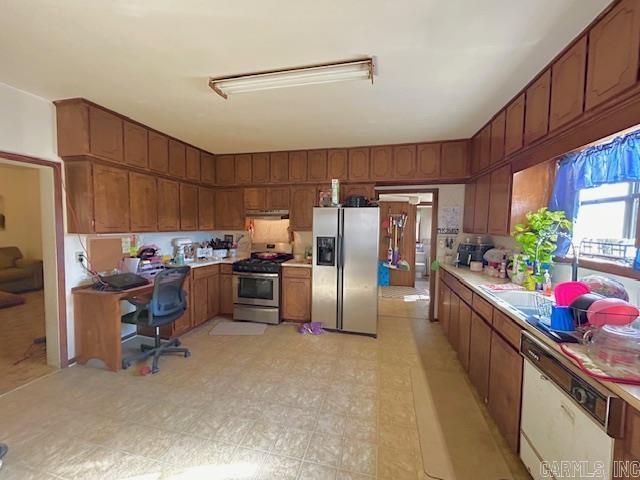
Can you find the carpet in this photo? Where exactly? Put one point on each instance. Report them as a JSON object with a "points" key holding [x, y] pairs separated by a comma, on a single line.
{"points": [[408, 294], [10, 299], [226, 327]]}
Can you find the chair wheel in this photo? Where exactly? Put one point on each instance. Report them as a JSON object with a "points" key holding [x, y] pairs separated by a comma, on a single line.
{"points": [[187, 354], [155, 370], [125, 365], [177, 340]]}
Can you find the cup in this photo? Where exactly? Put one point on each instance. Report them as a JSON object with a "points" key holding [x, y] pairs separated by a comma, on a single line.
{"points": [[561, 319]]}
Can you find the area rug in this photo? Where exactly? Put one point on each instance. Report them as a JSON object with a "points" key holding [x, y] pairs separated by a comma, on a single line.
{"points": [[408, 294], [10, 300], [226, 327]]}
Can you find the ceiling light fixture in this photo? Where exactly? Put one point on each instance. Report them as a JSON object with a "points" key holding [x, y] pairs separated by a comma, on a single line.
{"points": [[293, 77]]}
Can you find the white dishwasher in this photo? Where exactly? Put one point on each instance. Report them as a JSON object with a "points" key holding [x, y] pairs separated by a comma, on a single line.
{"points": [[568, 426]]}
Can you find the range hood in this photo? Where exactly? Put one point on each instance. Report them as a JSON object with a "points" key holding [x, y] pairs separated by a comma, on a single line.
{"points": [[267, 214]]}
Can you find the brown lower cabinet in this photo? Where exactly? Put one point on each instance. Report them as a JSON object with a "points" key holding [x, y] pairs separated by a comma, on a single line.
{"points": [[454, 319], [296, 294], [464, 334], [206, 296], [443, 307], [480, 355], [226, 292]]}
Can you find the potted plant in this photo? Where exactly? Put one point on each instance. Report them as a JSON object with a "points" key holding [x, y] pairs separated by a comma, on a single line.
{"points": [[540, 224]]}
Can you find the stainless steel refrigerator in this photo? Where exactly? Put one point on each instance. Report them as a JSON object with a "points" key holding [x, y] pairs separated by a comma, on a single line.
{"points": [[345, 268]]}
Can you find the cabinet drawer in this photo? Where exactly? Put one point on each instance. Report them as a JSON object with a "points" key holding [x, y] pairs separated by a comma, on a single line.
{"points": [[226, 268], [296, 272], [507, 328], [202, 272], [482, 307], [464, 293]]}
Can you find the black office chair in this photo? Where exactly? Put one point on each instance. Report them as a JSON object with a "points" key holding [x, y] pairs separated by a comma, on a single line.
{"points": [[167, 303]]}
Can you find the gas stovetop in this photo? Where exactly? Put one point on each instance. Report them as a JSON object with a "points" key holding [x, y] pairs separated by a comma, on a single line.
{"points": [[261, 265]]}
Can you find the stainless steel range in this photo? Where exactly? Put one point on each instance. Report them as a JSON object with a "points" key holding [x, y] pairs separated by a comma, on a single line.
{"points": [[256, 284]]}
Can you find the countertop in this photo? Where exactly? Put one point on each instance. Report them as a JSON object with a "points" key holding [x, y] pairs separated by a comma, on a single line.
{"points": [[217, 261], [473, 280], [296, 263]]}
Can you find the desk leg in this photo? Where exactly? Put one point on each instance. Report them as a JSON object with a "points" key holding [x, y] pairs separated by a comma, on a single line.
{"points": [[97, 329]]}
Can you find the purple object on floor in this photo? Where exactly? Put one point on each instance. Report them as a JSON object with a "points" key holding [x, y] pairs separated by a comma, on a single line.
{"points": [[314, 328]]}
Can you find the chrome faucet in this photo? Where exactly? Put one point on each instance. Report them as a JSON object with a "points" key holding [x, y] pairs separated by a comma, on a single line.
{"points": [[574, 260]]}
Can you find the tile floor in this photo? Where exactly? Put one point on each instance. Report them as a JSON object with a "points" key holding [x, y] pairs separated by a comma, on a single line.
{"points": [[276, 406]]}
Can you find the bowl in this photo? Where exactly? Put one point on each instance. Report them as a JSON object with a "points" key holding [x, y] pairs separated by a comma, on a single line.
{"points": [[611, 311], [581, 305]]}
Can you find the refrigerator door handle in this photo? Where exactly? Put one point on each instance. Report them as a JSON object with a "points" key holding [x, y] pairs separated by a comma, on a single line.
{"points": [[340, 261]]}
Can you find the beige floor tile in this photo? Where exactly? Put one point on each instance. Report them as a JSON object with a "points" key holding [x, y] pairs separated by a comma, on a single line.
{"points": [[313, 471], [292, 442], [276, 467], [325, 449], [359, 457]]}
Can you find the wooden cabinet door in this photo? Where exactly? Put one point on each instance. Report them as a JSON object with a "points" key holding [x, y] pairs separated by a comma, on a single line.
{"points": [[514, 130], [317, 165], [110, 199], [279, 167], [381, 163], [298, 166], [444, 311], [225, 170], [404, 162], [188, 207], [278, 198], [484, 147], [505, 382], [193, 163], [168, 205], [183, 324], [243, 169], [464, 334], [358, 164], [480, 355], [213, 295], [226, 294], [136, 145], [357, 189], [206, 209], [303, 199], [255, 198], [536, 119], [454, 320], [613, 53], [428, 161], [497, 137], [567, 85], [158, 152], [454, 160], [481, 211], [500, 201], [144, 207], [260, 172], [337, 164], [200, 300], [230, 209], [177, 159], [105, 134], [469, 207], [476, 144], [296, 298], [207, 168]]}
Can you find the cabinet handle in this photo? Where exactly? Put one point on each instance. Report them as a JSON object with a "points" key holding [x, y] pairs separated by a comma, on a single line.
{"points": [[568, 412], [543, 377]]}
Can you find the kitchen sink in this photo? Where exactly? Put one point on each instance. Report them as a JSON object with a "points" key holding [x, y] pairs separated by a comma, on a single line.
{"points": [[525, 303]]}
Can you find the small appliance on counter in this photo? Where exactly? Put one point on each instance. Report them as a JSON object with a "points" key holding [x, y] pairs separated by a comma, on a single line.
{"points": [[183, 250], [469, 252]]}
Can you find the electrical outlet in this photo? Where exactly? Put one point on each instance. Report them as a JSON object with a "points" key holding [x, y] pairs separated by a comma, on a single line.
{"points": [[80, 257]]}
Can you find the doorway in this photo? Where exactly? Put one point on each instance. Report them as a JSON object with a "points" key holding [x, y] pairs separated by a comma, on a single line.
{"points": [[32, 317]]}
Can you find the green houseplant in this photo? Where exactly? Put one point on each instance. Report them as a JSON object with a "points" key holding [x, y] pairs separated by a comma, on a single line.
{"points": [[539, 224]]}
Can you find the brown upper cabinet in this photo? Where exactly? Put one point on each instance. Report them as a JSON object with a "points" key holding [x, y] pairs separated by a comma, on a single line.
{"points": [[337, 164], [243, 169], [404, 162], [469, 207], [168, 205], [193, 163], [358, 164], [476, 144], [229, 209], [614, 44], [454, 159], [484, 147], [381, 163], [536, 120], [428, 161], [260, 168], [255, 198], [303, 199], [497, 137], [207, 168], [278, 198], [206, 208], [136, 145], [158, 152], [499, 200], [105, 134], [317, 165], [567, 85], [177, 159], [279, 167], [514, 129], [188, 207], [143, 200], [298, 166], [225, 170], [110, 199], [481, 211]]}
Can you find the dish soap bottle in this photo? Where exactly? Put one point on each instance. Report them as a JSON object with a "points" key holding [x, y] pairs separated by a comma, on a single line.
{"points": [[546, 287]]}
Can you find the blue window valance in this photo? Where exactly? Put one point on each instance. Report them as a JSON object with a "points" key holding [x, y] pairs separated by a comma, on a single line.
{"points": [[613, 162]]}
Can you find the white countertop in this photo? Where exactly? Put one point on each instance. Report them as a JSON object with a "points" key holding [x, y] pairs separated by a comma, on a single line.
{"points": [[473, 280], [297, 263], [214, 261]]}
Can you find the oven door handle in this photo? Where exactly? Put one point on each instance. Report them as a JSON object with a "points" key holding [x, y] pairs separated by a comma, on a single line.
{"points": [[255, 275]]}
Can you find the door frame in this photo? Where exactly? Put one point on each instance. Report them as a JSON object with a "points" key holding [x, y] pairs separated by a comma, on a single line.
{"points": [[434, 234], [59, 247]]}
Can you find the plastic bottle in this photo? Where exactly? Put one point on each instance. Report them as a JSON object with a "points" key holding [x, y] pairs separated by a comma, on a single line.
{"points": [[547, 283]]}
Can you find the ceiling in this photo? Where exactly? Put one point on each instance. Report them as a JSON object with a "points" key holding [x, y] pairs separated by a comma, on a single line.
{"points": [[444, 67]]}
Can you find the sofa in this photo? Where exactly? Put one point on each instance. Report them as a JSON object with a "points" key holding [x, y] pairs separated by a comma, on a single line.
{"points": [[17, 274]]}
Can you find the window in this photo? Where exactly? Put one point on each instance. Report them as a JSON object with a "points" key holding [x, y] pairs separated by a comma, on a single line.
{"points": [[607, 222]]}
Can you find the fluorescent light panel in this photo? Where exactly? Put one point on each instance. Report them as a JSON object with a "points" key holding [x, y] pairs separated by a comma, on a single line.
{"points": [[317, 74]]}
